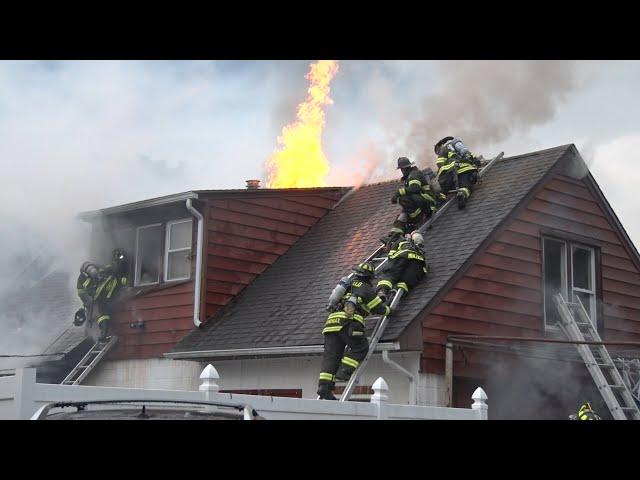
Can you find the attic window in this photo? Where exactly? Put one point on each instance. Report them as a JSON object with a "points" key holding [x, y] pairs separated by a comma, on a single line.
{"points": [[570, 269]]}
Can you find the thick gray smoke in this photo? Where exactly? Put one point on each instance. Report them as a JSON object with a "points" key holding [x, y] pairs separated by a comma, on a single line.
{"points": [[77, 136], [488, 102]]}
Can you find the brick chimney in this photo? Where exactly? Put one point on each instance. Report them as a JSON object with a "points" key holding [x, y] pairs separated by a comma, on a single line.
{"points": [[253, 184]]}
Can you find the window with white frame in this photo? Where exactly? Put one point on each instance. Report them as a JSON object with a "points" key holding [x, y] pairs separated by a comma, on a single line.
{"points": [[177, 259], [569, 269], [148, 254]]}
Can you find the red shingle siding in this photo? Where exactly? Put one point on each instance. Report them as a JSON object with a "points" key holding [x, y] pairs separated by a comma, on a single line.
{"points": [[168, 316], [501, 293], [246, 235]]}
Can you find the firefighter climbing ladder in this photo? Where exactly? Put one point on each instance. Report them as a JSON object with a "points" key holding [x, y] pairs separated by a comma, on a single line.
{"points": [[89, 361], [577, 326], [379, 259]]}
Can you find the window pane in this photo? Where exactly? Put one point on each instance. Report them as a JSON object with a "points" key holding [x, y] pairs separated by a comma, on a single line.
{"points": [[554, 267], [582, 268], [149, 255], [180, 235], [179, 265]]}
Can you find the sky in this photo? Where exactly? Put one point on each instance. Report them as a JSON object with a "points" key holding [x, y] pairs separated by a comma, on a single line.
{"points": [[83, 135]]}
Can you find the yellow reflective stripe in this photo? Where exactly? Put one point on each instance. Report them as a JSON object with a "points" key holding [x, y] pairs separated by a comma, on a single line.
{"points": [[397, 230], [112, 284], [86, 283], [415, 256], [403, 286], [350, 362], [446, 168], [385, 283], [374, 303], [427, 197], [451, 154], [465, 191], [440, 160], [416, 213], [332, 329], [337, 315], [102, 318], [466, 168], [326, 376], [359, 318], [414, 181], [123, 281], [387, 310], [402, 191]]}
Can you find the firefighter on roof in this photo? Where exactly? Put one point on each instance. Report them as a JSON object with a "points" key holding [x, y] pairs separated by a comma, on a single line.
{"points": [[406, 265], [350, 302], [416, 197], [97, 288], [457, 168]]}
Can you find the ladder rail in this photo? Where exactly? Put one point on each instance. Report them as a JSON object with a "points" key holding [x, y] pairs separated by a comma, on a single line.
{"points": [[382, 325], [87, 364], [571, 329]]}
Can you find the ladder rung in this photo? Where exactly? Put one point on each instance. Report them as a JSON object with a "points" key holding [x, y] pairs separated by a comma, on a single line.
{"points": [[607, 365], [617, 387], [628, 409]]}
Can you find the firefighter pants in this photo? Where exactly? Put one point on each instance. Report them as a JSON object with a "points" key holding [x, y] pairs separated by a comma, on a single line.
{"points": [[338, 364], [466, 181], [401, 275]]}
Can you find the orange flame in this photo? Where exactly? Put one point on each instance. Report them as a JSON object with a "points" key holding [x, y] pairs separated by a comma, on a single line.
{"points": [[299, 161]]}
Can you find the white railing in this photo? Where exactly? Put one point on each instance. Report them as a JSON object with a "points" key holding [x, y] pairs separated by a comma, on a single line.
{"points": [[21, 396]]}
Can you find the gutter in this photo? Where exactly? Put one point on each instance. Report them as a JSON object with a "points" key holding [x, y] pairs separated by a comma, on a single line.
{"points": [[250, 352], [412, 378], [153, 202], [198, 282]]}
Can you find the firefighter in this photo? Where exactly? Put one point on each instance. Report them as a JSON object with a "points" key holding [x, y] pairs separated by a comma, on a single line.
{"points": [[416, 197], [350, 302], [457, 168], [587, 413], [97, 288], [406, 266]]}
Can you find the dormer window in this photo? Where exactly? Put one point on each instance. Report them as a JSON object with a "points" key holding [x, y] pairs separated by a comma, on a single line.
{"points": [[163, 252]]}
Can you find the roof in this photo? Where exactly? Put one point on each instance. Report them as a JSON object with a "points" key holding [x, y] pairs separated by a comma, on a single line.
{"points": [[197, 194], [284, 306], [38, 315]]}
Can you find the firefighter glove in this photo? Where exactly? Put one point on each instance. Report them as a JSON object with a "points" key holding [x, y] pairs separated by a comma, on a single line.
{"points": [[350, 309]]}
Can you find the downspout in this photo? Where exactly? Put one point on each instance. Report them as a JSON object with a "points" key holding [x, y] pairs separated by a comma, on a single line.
{"points": [[197, 287], [412, 378]]}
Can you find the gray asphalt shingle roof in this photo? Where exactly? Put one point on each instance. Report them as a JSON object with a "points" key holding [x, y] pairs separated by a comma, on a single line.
{"points": [[285, 305]]}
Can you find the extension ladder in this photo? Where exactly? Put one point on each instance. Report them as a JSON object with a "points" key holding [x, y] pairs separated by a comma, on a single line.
{"points": [[379, 259], [577, 326], [89, 361]]}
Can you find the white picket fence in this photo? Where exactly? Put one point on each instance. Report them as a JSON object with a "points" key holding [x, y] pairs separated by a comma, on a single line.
{"points": [[21, 396]]}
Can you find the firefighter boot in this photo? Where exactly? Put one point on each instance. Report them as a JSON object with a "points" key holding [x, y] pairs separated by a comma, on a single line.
{"points": [[383, 293], [462, 200], [325, 392], [103, 331]]}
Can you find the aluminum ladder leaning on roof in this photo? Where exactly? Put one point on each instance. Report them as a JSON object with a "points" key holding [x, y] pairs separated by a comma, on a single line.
{"points": [[379, 262], [89, 361], [613, 389]]}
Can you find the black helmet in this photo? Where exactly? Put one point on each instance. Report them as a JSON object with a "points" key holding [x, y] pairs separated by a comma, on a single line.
{"points": [[436, 147], [364, 270], [117, 255], [404, 162]]}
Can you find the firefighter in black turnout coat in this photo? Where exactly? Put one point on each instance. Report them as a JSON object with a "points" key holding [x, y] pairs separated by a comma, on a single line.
{"points": [[406, 265], [350, 302], [417, 199]]}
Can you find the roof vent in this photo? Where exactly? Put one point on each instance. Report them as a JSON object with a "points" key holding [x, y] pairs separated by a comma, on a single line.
{"points": [[253, 184]]}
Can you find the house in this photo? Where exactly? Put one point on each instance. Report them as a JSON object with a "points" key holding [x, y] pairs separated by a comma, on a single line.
{"points": [[536, 224]]}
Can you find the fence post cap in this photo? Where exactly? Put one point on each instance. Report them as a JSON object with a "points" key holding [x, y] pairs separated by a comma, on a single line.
{"points": [[479, 398], [380, 391], [209, 373]]}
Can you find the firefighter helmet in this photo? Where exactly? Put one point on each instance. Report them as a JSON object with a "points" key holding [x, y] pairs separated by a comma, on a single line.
{"points": [[364, 270], [436, 147], [404, 162], [417, 239]]}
